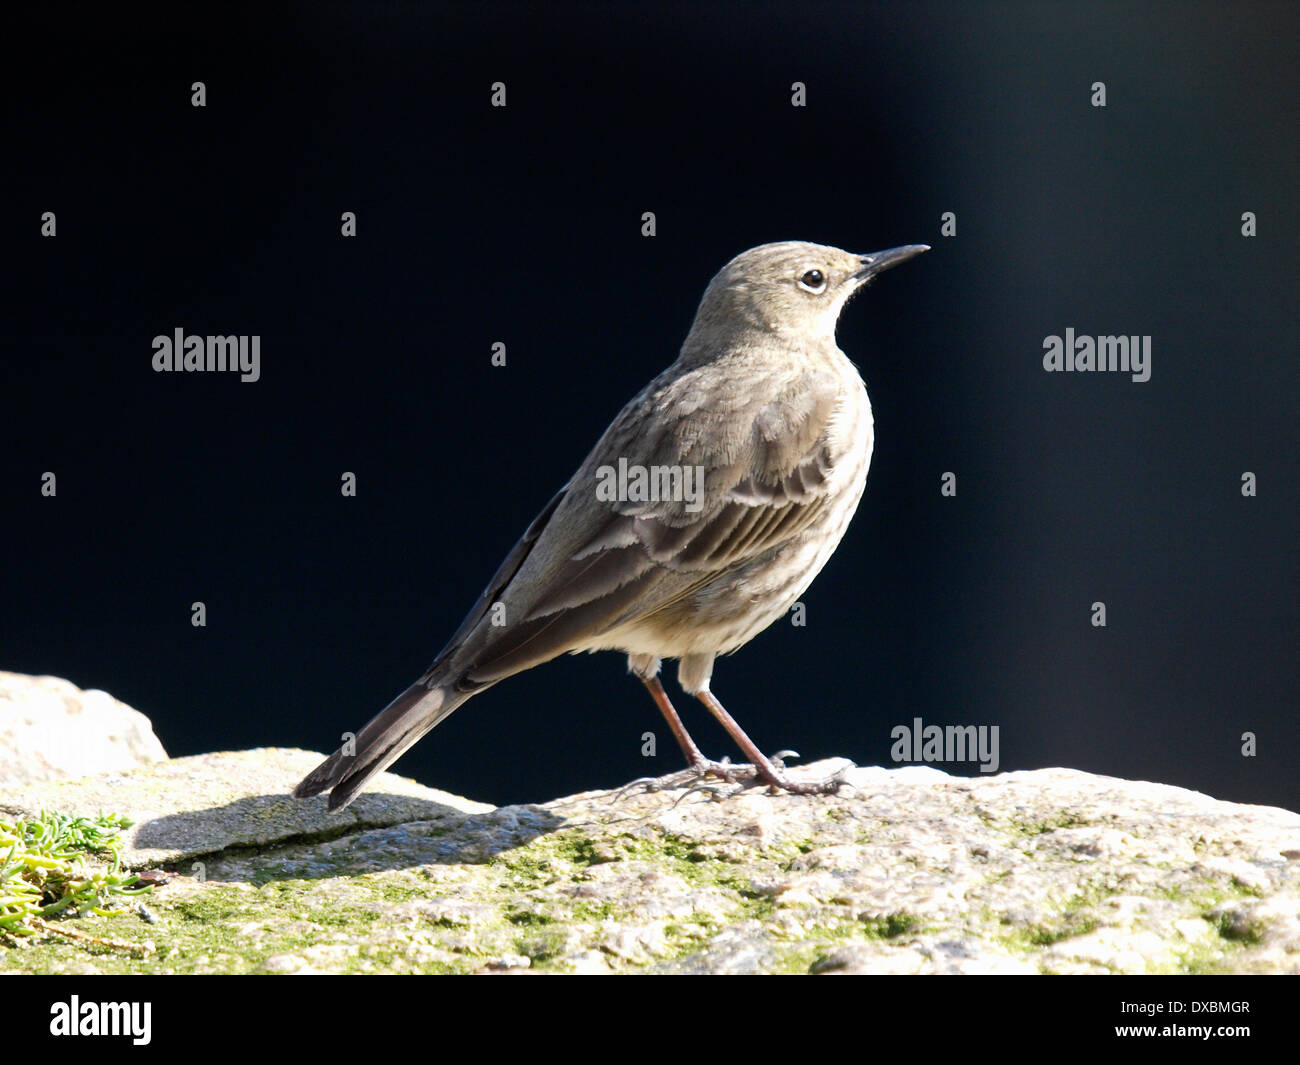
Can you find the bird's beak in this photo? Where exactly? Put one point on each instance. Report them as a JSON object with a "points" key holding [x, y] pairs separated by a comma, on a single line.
{"points": [[879, 261]]}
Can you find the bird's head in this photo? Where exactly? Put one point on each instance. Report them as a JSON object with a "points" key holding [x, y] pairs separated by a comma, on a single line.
{"points": [[790, 288]]}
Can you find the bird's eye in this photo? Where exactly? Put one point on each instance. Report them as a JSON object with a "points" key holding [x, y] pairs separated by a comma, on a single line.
{"points": [[813, 280]]}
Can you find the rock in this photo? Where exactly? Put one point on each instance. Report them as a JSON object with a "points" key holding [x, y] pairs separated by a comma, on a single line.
{"points": [[52, 730], [907, 871], [209, 803]]}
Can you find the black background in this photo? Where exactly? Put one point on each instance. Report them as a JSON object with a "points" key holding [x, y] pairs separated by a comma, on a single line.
{"points": [[522, 225]]}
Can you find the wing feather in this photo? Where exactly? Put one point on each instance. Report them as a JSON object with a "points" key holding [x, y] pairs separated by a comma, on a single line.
{"points": [[585, 567]]}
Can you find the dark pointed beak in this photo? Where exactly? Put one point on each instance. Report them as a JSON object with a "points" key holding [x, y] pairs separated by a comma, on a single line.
{"points": [[880, 261]]}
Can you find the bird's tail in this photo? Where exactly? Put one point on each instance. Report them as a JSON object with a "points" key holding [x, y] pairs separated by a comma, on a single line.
{"points": [[385, 738]]}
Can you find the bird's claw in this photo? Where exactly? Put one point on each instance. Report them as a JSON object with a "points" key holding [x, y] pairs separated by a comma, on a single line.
{"points": [[744, 775], [716, 792], [651, 784]]}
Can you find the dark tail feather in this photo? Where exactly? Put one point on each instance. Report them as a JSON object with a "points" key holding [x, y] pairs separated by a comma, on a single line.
{"points": [[383, 740]]}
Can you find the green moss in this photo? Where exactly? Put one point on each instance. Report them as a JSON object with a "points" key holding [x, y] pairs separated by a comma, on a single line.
{"points": [[387, 889], [542, 948], [1200, 962], [545, 858], [1065, 819], [1074, 917], [1046, 935], [1248, 933], [594, 912], [683, 854], [889, 926], [215, 905], [800, 959], [1206, 894], [529, 919]]}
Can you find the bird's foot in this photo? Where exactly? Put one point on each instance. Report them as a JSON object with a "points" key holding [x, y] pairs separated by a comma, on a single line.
{"points": [[771, 771], [694, 774], [828, 786], [724, 770], [697, 771], [702, 774]]}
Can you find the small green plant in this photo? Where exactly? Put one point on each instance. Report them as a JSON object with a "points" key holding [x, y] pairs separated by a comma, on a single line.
{"points": [[57, 864]]}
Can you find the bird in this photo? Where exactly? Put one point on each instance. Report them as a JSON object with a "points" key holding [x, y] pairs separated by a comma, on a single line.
{"points": [[765, 431]]}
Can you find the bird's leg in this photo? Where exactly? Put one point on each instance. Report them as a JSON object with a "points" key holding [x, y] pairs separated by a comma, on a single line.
{"points": [[683, 738], [762, 766], [700, 766]]}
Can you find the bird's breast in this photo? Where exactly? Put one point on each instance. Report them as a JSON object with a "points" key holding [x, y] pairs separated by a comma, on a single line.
{"points": [[741, 602]]}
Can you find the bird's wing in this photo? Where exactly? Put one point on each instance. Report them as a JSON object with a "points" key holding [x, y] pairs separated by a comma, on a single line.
{"points": [[765, 452]]}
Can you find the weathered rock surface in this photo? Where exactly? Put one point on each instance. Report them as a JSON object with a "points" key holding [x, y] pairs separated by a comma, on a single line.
{"points": [[908, 871], [208, 803], [52, 730]]}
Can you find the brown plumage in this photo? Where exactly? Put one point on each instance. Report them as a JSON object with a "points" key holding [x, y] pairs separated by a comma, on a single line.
{"points": [[760, 402]]}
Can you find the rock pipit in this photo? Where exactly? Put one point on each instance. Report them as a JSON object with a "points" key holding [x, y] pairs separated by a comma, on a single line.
{"points": [[698, 519]]}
